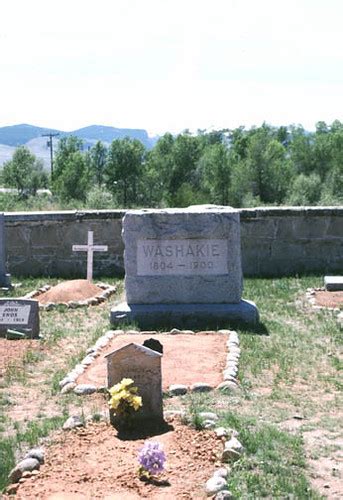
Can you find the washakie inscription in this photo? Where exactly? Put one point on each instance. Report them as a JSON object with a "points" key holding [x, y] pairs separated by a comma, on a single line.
{"points": [[157, 257]]}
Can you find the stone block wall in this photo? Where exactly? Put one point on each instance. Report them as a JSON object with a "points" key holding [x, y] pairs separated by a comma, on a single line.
{"points": [[40, 243], [285, 241], [275, 242]]}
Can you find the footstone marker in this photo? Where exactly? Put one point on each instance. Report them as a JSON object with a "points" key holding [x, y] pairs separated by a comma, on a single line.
{"points": [[153, 344], [21, 315], [90, 248], [333, 283], [183, 268], [5, 279], [143, 366]]}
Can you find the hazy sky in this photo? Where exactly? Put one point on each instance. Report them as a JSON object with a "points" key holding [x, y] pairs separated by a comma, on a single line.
{"points": [[170, 64]]}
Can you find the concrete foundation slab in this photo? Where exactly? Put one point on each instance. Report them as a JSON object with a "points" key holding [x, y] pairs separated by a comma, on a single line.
{"points": [[193, 316]]}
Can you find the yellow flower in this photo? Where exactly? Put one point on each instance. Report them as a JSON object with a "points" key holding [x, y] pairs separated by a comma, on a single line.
{"points": [[125, 382], [136, 402], [116, 388], [123, 395]]}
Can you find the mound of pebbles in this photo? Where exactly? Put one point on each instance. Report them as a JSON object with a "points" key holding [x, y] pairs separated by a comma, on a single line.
{"points": [[71, 294]]}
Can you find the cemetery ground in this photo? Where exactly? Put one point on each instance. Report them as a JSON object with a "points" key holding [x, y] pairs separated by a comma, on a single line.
{"points": [[287, 409]]}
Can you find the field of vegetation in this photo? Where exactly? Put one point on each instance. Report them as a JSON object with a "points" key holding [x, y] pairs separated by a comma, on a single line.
{"points": [[287, 410], [242, 168]]}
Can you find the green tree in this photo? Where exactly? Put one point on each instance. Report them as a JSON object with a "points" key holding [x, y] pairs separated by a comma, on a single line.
{"points": [[176, 160], [72, 177], [216, 173], [302, 151], [305, 190], [24, 172], [97, 162], [262, 171], [158, 170], [124, 169]]}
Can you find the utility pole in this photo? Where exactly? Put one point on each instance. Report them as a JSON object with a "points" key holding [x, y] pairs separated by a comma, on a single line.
{"points": [[49, 144]]}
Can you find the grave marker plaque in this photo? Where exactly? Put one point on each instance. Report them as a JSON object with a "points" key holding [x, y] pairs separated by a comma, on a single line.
{"points": [[21, 315], [143, 366]]}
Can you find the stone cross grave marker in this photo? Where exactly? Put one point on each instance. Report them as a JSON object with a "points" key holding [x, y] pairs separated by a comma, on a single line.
{"points": [[143, 366], [90, 248], [21, 315], [5, 279]]}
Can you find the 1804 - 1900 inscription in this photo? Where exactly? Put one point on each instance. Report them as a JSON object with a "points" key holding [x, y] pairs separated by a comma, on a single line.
{"points": [[182, 257]]}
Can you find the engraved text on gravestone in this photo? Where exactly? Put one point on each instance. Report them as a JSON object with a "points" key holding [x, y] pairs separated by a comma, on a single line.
{"points": [[182, 257]]}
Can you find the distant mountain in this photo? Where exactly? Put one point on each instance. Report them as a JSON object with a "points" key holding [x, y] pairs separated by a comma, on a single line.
{"points": [[31, 136], [16, 135], [108, 134]]}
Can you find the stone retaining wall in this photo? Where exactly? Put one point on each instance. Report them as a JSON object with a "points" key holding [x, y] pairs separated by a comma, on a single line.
{"points": [[275, 241]]}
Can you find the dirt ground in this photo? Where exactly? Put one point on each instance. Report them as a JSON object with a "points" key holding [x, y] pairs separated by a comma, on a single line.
{"points": [[186, 359], [329, 299], [94, 463], [12, 353]]}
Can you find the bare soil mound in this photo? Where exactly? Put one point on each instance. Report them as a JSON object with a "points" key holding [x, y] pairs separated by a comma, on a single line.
{"points": [[329, 299], [69, 290], [94, 463], [186, 358]]}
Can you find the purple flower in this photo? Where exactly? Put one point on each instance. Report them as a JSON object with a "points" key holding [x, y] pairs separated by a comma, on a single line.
{"points": [[151, 458]]}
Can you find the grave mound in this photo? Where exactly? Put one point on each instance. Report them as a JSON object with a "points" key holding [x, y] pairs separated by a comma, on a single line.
{"points": [[324, 298], [187, 358], [99, 465], [69, 290]]}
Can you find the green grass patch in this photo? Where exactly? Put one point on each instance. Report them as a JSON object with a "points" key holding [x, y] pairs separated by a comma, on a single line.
{"points": [[26, 438], [272, 464]]}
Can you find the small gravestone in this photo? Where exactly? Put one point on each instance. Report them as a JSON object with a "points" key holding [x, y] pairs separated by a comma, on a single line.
{"points": [[333, 283], [183, 269], [143, 366], [5, 279], [153, 344], [21, 315]]}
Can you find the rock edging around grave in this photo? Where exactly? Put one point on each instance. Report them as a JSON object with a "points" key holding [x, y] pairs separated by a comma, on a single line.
{"points": [[215, 486], [26, 467], [108, 290], [229, 383]]}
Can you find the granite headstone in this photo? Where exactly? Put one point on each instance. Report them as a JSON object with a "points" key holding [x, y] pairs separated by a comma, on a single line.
{"points": [[21, 315], [183, 268]]}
